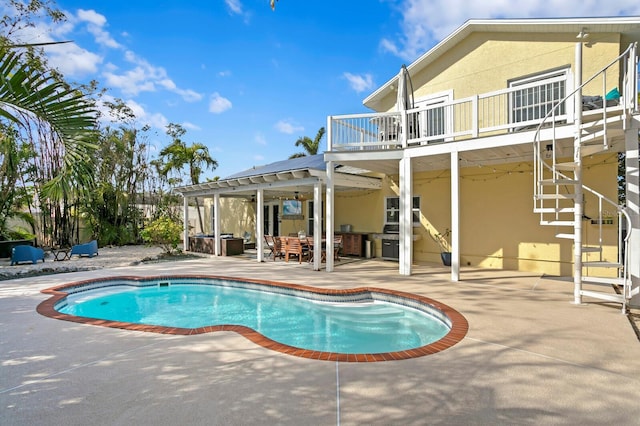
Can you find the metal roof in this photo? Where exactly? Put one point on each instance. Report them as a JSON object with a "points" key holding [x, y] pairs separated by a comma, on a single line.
{"points": [[281, 179], [315, 162]]}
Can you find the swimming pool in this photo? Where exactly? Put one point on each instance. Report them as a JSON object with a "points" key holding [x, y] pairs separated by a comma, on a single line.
{"points": [[363, 324]]}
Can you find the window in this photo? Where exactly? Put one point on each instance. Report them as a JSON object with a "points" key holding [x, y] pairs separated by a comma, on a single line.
{"points": [[540, 94], [310, 217], [392, 210]]}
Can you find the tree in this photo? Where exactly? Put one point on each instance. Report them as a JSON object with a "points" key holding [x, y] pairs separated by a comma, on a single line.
{"points": [[51, 117], [310, 146], [178, 155]]}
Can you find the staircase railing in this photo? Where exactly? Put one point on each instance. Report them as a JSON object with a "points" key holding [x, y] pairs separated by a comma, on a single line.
{"points": [[548, 172]]}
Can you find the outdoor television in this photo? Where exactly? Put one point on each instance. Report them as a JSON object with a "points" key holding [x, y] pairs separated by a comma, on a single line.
{"points": [[291, 208]]}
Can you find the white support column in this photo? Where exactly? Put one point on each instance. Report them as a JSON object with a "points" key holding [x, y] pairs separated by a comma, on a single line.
{"points": [[216, 223], [406, 216], [329, 213], [185, 216], [317, 224], [632, 177], [455, 217], [260, 225], [577, 158]]}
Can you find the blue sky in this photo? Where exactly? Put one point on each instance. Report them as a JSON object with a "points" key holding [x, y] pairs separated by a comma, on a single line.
{"points": [[248, 81]]}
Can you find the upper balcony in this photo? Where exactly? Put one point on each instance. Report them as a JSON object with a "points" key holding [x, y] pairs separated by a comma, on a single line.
{"points": [[502, 112]]}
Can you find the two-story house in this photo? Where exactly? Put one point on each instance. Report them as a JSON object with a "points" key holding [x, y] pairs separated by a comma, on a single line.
{"points": [[501, 146]]}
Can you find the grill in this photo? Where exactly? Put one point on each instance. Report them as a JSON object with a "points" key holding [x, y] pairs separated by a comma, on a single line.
{"points": [[391, 229], [391, 244]]}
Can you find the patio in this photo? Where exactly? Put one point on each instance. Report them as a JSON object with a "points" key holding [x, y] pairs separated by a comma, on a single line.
{"points": [[530, 357]]}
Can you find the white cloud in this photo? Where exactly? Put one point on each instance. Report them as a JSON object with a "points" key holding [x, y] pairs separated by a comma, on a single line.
{"points": [[219, 104], [359, 83], [234, 6], [96, 22], [286, 126], [424, 23], [145, 77], [72, 60], [191, 126], [143, 117], [259, 158], [260, 139]]}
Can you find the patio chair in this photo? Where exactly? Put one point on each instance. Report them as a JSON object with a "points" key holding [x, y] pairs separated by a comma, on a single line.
{"points": [[312, 250], [89, 249], [337, 247], [294, 248], [24, 253], [275, 248]]}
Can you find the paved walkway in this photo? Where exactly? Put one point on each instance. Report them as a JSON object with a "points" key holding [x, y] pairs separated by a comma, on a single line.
{"points": [[530, 357]]}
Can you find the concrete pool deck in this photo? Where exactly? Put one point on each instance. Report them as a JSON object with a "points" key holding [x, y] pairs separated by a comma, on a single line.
{"points": [[530, 357]]}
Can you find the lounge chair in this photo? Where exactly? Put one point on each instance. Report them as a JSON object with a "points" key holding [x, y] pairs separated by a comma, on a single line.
{"points": [[25, 253], [87, 249]]}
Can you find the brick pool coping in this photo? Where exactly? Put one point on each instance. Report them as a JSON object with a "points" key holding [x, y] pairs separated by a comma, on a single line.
{"points": [[458, 323]]}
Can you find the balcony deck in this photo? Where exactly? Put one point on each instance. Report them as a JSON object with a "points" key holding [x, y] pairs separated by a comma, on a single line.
{"points": [[468, 119]]}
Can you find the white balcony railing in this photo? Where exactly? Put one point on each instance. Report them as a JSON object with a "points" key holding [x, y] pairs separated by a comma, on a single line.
{"points": [[491, 113]]}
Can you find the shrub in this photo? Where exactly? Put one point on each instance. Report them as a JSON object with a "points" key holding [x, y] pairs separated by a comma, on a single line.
{"points": [[163, 232]]}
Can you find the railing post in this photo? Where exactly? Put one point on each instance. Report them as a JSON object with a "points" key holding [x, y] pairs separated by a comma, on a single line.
{"points": [[329, 133], [475, 125], [405, 128]]}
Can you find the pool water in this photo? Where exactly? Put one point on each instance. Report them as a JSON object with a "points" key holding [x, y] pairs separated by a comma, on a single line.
{"points": [[354, 328]]}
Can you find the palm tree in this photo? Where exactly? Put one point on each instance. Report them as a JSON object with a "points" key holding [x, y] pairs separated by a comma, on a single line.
{"points": [[310, 146], [29, 93], [196, 157]]}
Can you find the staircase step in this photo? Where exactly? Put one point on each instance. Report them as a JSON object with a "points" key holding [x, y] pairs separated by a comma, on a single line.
{"points": [[554, 210], [566, 236], [591, 249], [611, 297], [556, 196], [603, 280], [566, 166], [601, 264], [557, 222], [558, 182], [587, 150], [592, 136]]}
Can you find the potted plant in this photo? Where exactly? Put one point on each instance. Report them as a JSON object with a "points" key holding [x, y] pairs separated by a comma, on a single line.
{"points": [[445, 248]]}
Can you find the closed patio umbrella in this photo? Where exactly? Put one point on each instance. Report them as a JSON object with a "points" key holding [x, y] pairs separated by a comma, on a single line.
{"points": [[404, 99]]}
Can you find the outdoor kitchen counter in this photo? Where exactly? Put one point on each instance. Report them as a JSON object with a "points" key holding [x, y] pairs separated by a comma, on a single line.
{"points": [[392, 237]]}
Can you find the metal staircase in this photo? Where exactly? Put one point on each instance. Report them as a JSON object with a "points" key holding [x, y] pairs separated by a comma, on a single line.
{"points": [[559, 192]]}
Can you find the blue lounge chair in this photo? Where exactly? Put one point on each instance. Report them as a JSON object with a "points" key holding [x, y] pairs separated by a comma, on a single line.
{"points": [[26, 254], [87, 249]]}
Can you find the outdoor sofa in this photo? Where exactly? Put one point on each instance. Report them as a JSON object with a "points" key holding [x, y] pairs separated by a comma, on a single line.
{"points": [[25, 253], [87, 249]]}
